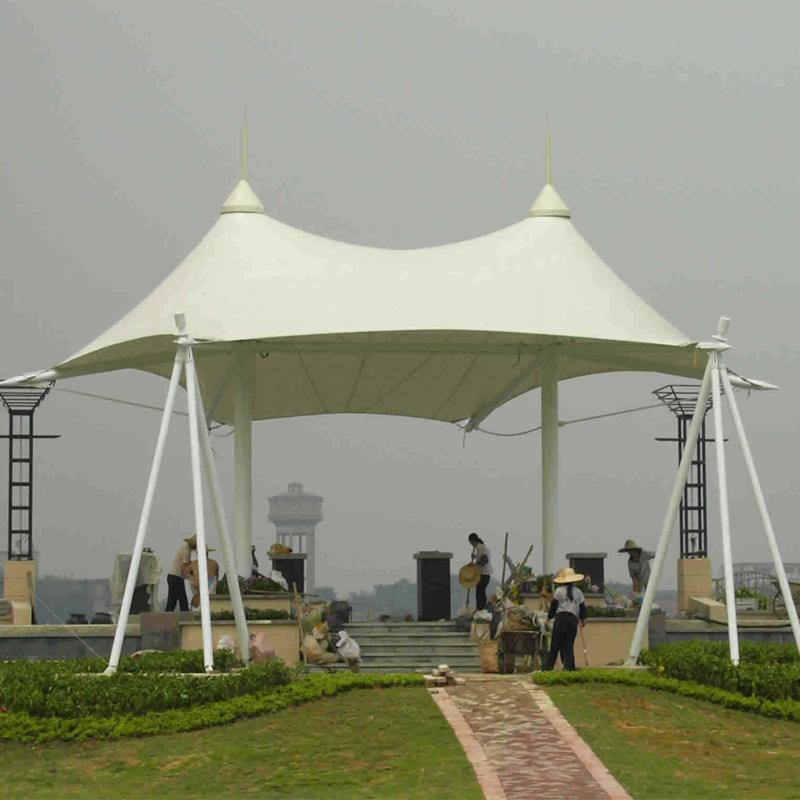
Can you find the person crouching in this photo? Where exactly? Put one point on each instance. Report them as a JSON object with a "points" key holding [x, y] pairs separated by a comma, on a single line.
{"points": [[567, 610]]}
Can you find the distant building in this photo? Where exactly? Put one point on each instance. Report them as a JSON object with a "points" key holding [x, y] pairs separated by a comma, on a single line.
{"points": [[296, 515], [768, 568]]}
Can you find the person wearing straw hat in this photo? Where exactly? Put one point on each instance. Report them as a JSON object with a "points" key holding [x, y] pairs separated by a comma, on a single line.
{"points": [[176, 577], [212, 571], [638, 564], [567, 610], [481, 557]]}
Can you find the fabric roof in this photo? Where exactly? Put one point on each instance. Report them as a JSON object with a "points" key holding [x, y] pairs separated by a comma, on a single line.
{"points": [[439, 332]]}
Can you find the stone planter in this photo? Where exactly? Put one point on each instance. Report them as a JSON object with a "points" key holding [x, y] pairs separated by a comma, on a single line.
{"points": [[608, 641], [747, 604], [277, 601], [282, 636], [533, 601]]}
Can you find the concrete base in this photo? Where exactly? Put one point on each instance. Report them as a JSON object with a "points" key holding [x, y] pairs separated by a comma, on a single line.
{"points": [[682, 630], [19, 581], [160, 629], [608, 641], [45, 642], [13, 612], [694, 580], [708, 609], [282, 636]]}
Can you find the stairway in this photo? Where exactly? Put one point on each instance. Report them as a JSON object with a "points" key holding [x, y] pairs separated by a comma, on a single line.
{"points": [[411, 647]]}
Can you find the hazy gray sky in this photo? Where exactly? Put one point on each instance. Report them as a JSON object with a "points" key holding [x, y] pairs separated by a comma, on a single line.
{"points": [[401, 124]]}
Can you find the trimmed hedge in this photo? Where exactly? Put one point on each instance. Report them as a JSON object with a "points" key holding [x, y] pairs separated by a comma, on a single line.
{"points": [[594, 611], [24, 727], [779, 709], [52, 693], [174, 661], [252, 613], [766, 671], [183, 661]]}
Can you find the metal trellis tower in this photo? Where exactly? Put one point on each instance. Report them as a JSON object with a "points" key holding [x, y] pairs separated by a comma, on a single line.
{"points": [[21, 403], [693, 516]]}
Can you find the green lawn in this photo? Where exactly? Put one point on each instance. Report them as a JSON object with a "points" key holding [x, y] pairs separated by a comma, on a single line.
{"points": [[661, 745], [377, 743]]}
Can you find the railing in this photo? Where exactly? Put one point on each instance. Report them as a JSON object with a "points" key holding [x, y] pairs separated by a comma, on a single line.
{"points": [[760, 582]]}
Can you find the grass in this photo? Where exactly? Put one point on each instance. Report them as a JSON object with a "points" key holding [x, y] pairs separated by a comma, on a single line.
{"points": [[386, 743], [661, 745]]}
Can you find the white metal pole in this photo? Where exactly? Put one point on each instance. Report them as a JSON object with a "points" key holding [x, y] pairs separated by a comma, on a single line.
{"points": [[144, 519], [692, 435], [548, 380], [724, 512], [780, 572], [311, 578], [244, 380], [228, 554], [199, 512]]}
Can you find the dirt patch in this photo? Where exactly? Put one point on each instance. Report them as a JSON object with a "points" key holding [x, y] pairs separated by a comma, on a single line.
{"points": [[180, 763]]}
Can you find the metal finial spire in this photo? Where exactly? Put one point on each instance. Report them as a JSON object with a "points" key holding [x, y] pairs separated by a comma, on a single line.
{"points": [[548, 161], [245, 134]]}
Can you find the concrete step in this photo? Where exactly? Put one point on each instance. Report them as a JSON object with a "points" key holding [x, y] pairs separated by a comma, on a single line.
{"points": [[402, 627], [413, 641], [411, 647], [417, 651], [433, 658]]}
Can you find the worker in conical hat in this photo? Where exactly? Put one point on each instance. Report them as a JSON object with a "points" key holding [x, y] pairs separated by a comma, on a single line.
{"points": [[638, 564], [212, 571], [178, 572], [481, 557], [568, 611]]}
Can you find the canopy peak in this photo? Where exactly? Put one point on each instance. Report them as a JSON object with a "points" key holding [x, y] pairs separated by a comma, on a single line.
{"points": [[549, 204], [242, 200]]}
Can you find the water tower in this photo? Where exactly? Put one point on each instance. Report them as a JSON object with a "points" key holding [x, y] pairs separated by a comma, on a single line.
{"points": [[296, 515]]}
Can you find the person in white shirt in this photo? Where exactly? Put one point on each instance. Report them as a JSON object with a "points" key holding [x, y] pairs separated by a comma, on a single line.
{"points": [[567, 610], [482, 557], [176, 577]]}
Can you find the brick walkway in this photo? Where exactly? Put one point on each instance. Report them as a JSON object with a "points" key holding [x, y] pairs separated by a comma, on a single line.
{"points": [[520, 745]]}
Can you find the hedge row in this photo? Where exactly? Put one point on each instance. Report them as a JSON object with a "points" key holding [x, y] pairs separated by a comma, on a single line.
{"points": [[749, 652], [44, 693], [780, 709], [766, 671], [24, 727], [185, 661], [252, 613]]}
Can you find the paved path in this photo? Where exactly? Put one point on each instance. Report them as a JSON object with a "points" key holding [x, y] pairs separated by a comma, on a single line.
{"points": [[520, 745]]}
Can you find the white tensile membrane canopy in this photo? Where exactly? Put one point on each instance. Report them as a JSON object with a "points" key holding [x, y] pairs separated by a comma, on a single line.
{"points": [[439, 333], [286, 323]]}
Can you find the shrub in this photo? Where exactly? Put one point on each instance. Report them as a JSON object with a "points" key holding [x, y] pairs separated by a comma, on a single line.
{"points": [[780, 709], [252, 584], [178, 661], [594, 611], [767, 671], [253, 613], [24, 727], [63, 689]]}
